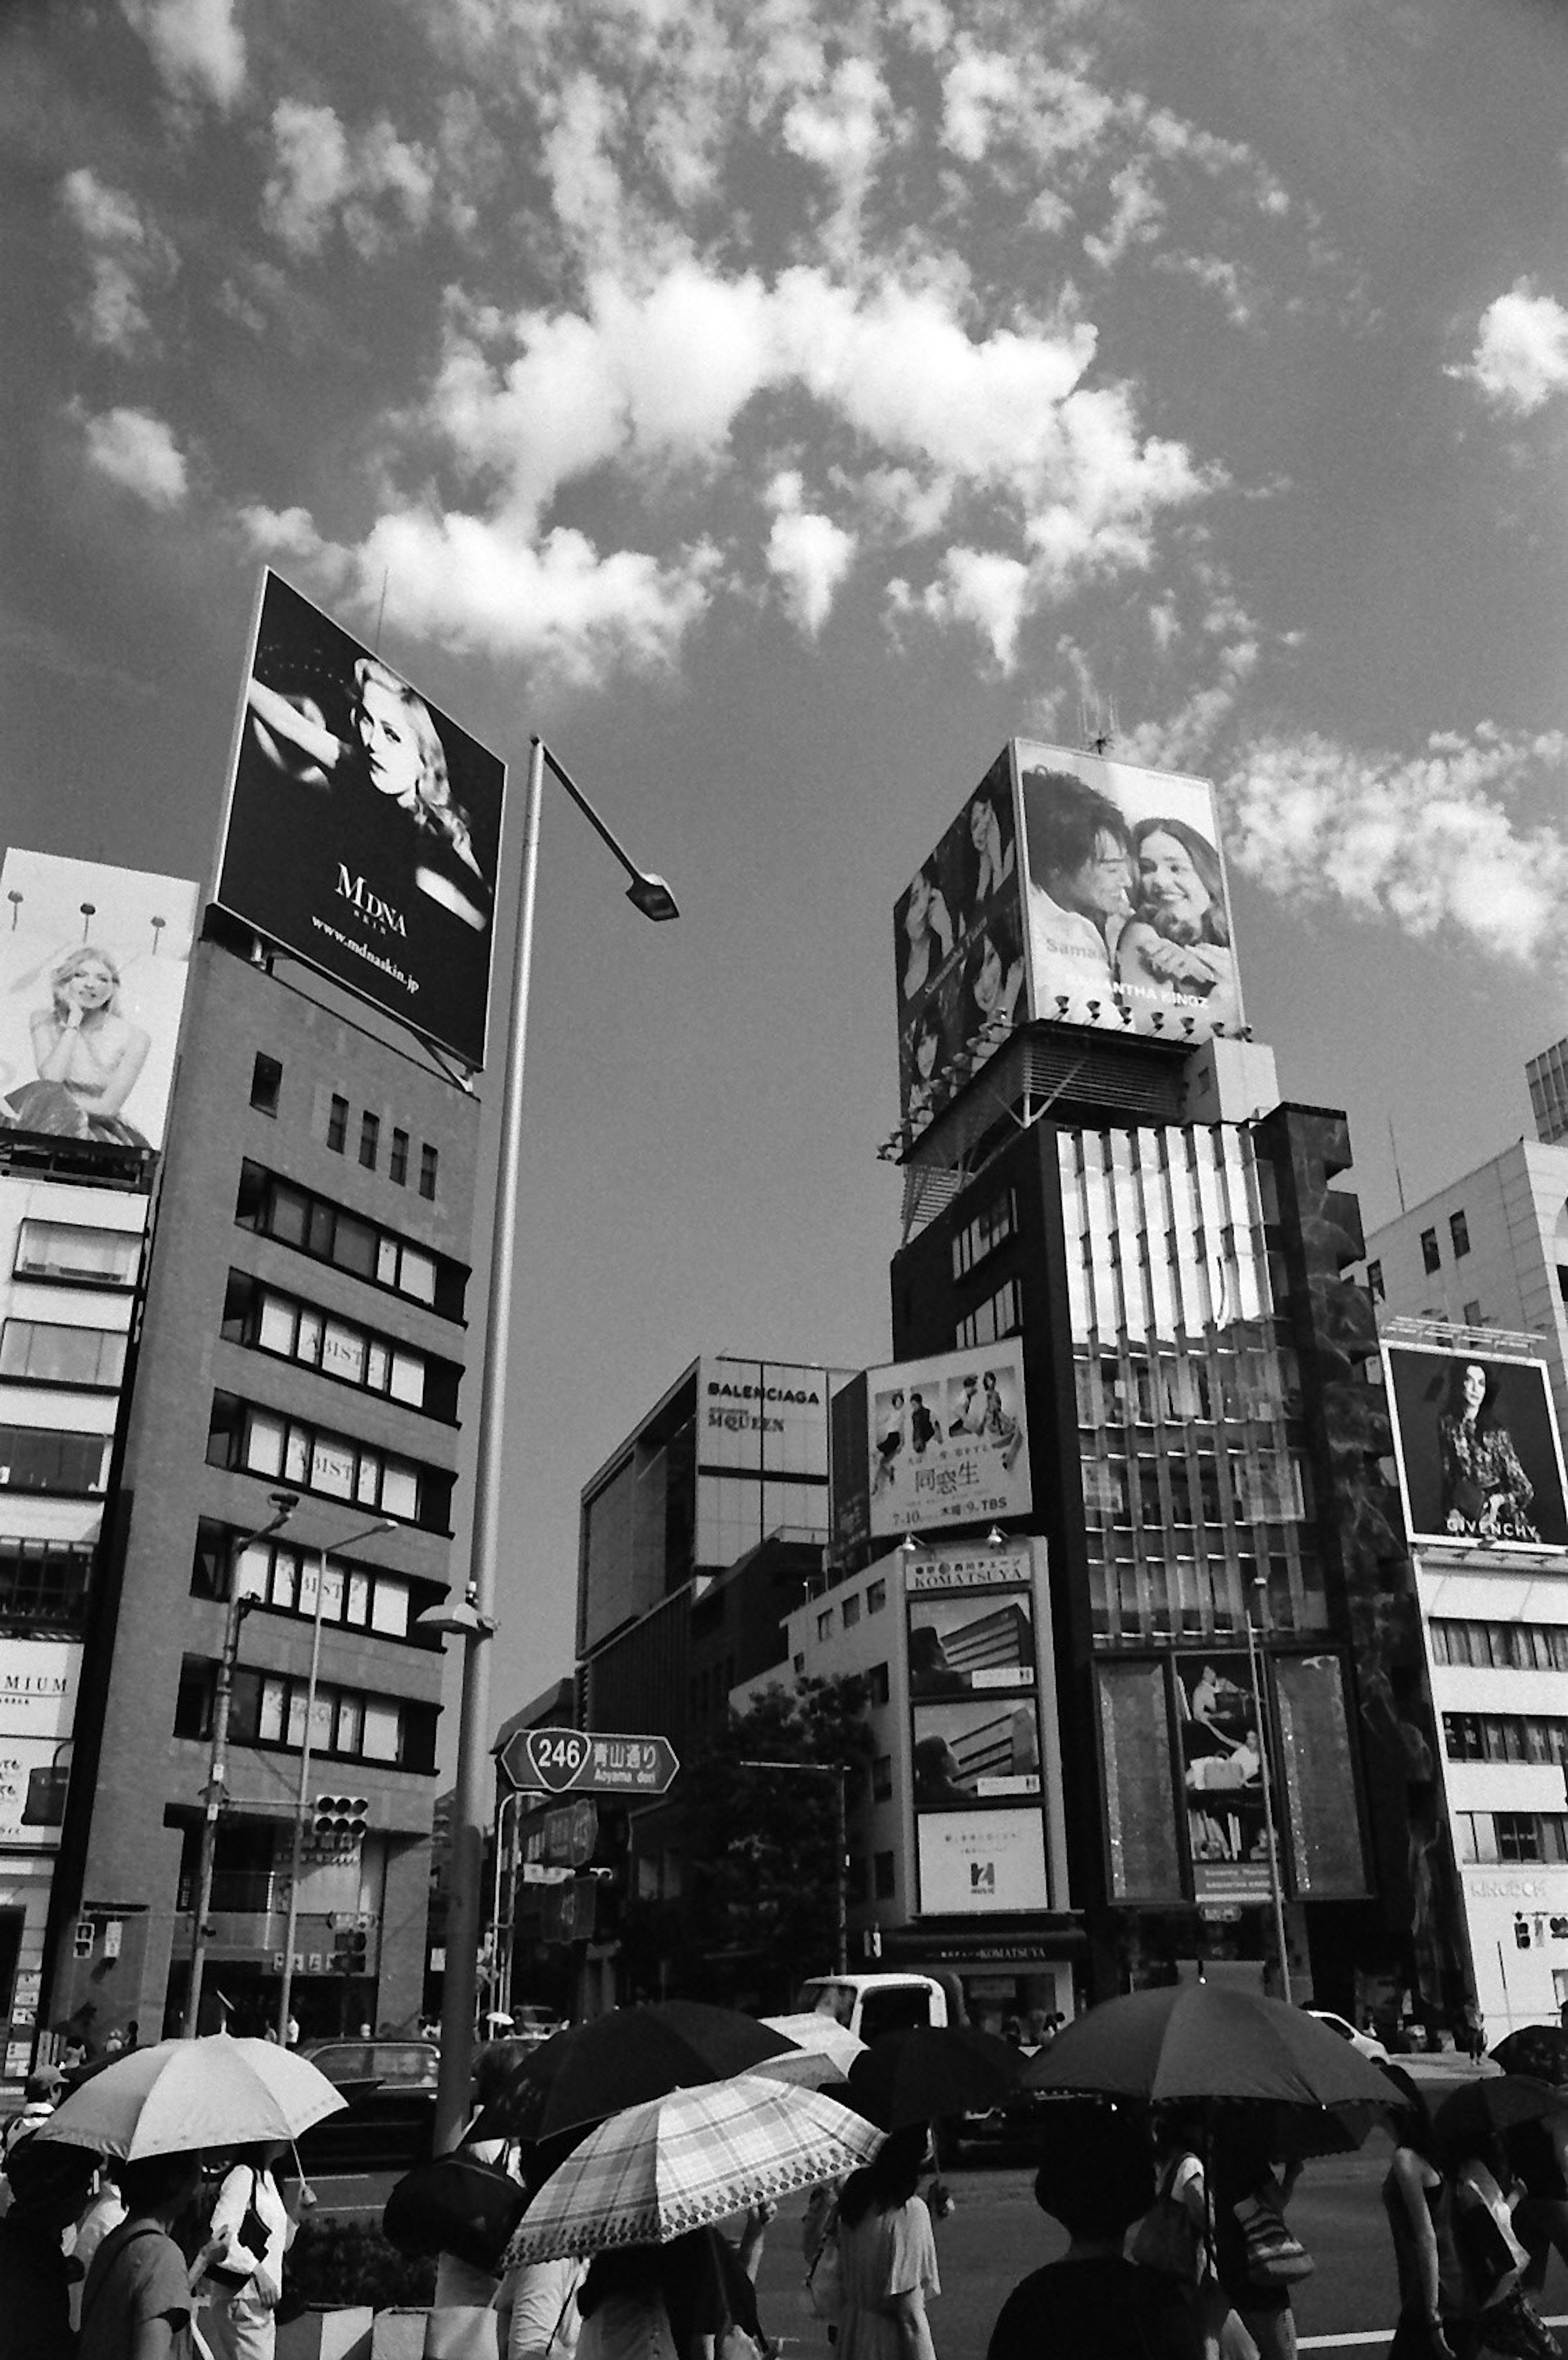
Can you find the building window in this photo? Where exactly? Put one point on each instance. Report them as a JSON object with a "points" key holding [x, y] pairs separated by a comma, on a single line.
{"points": [[881, 1778], [266, 1081], [313, 1225], [882, 1878], [40, 1458], [336, 1124], [876, 1597], [850, 1611], [283, 1578], [1506, 1646], [397, 1161], [78, 1257], [1459, 1231], [985, 1233], [1375, 1282], [264, 1442], [1001, 1315], [825, 1623], [876, 1684], [48, 1354], [427, 1168], [369, 1138], [1473, 1312], [268, 1708], [263, 1319], [44, 1584], [1430, 1259]]}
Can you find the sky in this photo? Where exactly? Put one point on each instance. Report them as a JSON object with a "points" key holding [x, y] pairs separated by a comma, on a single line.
{"points": [[778, 407]]}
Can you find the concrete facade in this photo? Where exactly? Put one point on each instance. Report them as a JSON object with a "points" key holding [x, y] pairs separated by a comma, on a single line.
{"points": [[304, 1327]]}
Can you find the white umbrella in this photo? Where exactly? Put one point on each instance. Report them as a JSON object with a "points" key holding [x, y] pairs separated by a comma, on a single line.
{"points": [[185, 2094], [650, 2174], [824, 2051]]}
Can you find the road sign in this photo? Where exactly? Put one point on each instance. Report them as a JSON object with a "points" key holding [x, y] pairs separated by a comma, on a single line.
{"points": [[579, 1761]]}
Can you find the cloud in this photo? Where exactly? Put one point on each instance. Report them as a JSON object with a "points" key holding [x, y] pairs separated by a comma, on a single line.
{"points": [[806, 552], [138, 451], [128, 259], [375, 184], [1521, 352], [196, 45], [989, 592], [1429, 843]]}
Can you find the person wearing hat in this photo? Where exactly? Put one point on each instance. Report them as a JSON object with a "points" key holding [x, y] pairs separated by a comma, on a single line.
{"points": [[48, 2185], [40, 2095]]}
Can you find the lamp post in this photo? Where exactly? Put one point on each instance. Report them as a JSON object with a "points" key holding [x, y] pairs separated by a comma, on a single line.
{"points": [[285, 1504], [301, 1792], [838, 1771], [1276, 1892], [474, 1620]]}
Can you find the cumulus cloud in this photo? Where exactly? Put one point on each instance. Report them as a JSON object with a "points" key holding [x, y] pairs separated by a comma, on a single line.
{"points": [[375, 184], [1430, 843], [1521, 352], [196, 45], [988, 592], [807, 553], [128, 259], [138, 452]]}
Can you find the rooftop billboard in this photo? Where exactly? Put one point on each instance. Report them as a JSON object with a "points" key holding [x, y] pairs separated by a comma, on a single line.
{"points": [[364, 826], [94, 963], [1070, 889], [1480, 1462]]}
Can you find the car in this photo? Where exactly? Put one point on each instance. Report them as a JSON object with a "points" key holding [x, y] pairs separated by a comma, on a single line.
{"points": [[1366, 2044], [388, 2117]]}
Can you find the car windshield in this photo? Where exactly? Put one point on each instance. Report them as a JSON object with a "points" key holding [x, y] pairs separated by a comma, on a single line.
{"points": [[837, 2000]]}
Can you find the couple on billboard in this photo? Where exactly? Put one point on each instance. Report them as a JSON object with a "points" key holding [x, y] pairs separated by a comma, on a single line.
{"points": [[1121, 912]]}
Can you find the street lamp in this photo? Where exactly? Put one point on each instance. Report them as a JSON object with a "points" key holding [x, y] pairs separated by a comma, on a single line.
{"points": [[475, 1620], [839, 1771], [285, 1504], [301, 1792], [1276, 1892]]}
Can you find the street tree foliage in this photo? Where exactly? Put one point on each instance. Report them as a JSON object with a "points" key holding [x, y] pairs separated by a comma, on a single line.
{"points": [[757, 1911]]}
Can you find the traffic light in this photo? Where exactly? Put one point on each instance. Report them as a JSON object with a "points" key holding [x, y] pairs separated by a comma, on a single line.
{"points": [[1521, 1933], [606, 1873], [351, 1950], [340, 1821]]}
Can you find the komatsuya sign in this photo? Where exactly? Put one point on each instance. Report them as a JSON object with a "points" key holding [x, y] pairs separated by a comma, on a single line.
{"points": [[573, 1761]]}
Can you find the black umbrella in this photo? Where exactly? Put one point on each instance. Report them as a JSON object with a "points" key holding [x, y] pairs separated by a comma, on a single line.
{"points": [[1472, 2116], [1539, 2050], [618, 2060], [1190, 2041], [926, 2070]]}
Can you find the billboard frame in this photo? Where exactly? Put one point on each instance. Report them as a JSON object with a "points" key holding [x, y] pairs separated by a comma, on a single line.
{"points": [[1406, 1349]]}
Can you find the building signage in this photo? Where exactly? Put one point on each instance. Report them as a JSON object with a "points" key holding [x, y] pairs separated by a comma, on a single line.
{"points": [[569, 1760], [364, 826], [947, 1440], [962, 1643], [1222, 1758], [1069, 888], [1476, 1437], [762, 1415], [983, 1567], [93, 964], [982, 1862]]}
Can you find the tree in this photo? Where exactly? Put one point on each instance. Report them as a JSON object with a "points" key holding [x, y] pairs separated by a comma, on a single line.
{"points": [[759, 1905]]}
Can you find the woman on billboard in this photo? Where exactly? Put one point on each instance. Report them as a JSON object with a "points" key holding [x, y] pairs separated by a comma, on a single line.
{"points": [[396, 751], [1178, 939], [927, 927], [1486, 1492], [89, 1056]]}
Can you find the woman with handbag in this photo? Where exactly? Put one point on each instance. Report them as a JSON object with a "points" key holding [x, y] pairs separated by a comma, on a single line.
{"points": [[253, 2228], [1504, 2323], [887, 2256], [1173, 2237], [1418, 2196], [1257, 2256], [463, 2323]]}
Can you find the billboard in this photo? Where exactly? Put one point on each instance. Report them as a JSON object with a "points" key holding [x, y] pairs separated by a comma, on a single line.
{"points": [[39, 1681], [364, 826], [93, 964], [947, 1440], [1222, 1776], [1480, 1463], [974, 1863], [1070, 889]]}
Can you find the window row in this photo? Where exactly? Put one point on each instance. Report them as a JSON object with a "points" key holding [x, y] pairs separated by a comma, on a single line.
{"points": [[1488, 1836], [75, 1255], [284, 1578], [1502, 1647], [1459, 1237], [368, 1147], [315, 1225], [985, 1233], [1505, 1737], [268, 1708], [40, 1458], [45, 1583], [48, 1353], [264, 1442], [268, 1320], [1250, 1487], [1001, 1315], [1255, 1382]]}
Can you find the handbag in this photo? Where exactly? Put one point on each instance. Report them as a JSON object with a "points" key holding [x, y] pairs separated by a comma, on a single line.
{"points": [[824, 2279], [252, 2233], [1514, 2329], [1275, 2256], [456, 2204], [1168, 2238]]}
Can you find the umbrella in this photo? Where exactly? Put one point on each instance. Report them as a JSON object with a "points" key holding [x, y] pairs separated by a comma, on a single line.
{"points": [[1189, 2041], [616, 2060], [1469, 2117], [182, 2094], [926, 2070], [651, 2173], [824, 2051], [1539, 2050]]}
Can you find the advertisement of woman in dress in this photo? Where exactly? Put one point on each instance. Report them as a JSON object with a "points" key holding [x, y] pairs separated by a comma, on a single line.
{"points": [[94, 963], [364, 826], [1480, 1462]]}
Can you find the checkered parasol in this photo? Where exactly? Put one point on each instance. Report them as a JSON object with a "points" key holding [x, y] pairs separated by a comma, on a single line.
{"points": [[651, 2173]]}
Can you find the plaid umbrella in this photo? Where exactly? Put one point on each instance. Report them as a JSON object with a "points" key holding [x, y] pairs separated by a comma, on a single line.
{"points": [[678, 2163]]}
